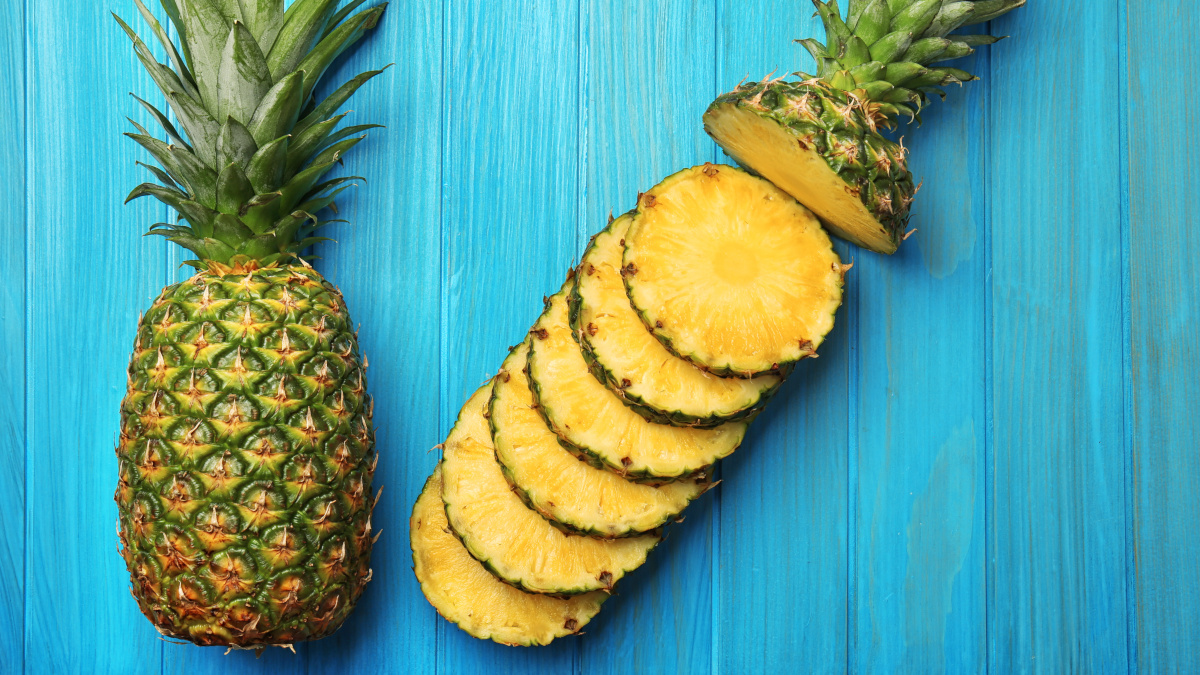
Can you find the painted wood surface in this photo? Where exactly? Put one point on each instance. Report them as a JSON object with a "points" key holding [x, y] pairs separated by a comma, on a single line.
{"points": [[993, 467]]}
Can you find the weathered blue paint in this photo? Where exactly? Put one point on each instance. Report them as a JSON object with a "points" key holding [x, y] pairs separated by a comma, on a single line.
{"points": [[993, 467]]}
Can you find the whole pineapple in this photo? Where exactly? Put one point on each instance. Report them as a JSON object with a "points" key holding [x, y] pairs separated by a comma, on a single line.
{"points": [[246, 449], [818, 138]]}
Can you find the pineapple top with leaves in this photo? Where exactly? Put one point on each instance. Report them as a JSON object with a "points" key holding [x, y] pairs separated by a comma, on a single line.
{"points": [[246, 451], [875, 65], [247, 178]]}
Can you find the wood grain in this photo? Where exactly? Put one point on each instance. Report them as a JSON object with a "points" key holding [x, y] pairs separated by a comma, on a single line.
{"points": [[91, 272], [13, 308], [922, 430], [1163, 430], [1054, 206], [992, 467]]}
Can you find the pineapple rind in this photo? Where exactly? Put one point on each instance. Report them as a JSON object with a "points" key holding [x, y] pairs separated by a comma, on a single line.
{"points": [[831, 122], [688, 336], [468, 595], [599, 428], [738, 401], [512, 541], [246, 456], [550, 480]]}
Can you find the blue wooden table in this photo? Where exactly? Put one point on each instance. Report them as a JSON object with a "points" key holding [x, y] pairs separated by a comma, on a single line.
{"points": [[994, 465]]}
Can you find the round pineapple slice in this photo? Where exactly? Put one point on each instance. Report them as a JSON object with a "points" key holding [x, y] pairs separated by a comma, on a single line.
{"points": [[553, 482], [513, 542], [637, 367], [465, 593], [590, 419], [730, 272]]}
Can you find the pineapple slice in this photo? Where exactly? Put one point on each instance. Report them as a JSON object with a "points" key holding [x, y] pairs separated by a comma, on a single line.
{"points": [[513, 542], [553, 482], [591, 420], [638, 368], [730, 272], [463, 592]]}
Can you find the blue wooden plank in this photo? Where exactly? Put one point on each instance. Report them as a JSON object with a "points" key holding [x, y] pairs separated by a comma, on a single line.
{"points": [[79, 615], [922, 419], [782, 564], [1055, 225], [13, 310], [1164, 278], [649, 73], [508, 221], [387, 262]]}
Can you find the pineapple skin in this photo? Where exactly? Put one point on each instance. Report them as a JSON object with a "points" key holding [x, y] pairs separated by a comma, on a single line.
{"points": [[246, 458], [841, 129]]}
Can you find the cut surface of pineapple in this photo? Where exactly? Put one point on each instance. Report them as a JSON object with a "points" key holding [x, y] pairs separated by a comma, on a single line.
{"points": [[590, 419], [730, 272], [514, 542], [770, 148], [558, 485], [634, 364], [465, 593]]}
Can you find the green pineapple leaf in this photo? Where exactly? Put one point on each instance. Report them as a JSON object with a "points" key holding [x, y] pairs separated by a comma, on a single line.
{"points": [[264, 18], [277, 112], [163, 122], [207, 32], [161, 175], [325, 109], [308, 142], [260, 212], [172, 11], [181, 69], [265, 170], [873, 22], [229, 230], [184, 167], [233, 189], [305, 20], [201, 128], [230, 9], [338, 40], [341, 16], [917, 17], [235, 144], [951, 17], [244, 78]]}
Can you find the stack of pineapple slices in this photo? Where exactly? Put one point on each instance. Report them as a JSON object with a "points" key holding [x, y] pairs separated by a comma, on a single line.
{"points": [[681, 321]]}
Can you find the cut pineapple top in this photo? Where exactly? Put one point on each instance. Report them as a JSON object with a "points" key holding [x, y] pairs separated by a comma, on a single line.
{"points": [[515, 543], [577, 495], [461, 590], [588, 417], [635, 365], [730, 272]]}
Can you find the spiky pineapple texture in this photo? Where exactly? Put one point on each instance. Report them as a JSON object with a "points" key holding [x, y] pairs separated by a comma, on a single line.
{"points": [[246, 450], [246, 458], [247, 179]]}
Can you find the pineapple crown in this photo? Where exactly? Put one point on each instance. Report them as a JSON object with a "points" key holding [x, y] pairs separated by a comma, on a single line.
{"points": [[883, 49], [245, 175]]}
